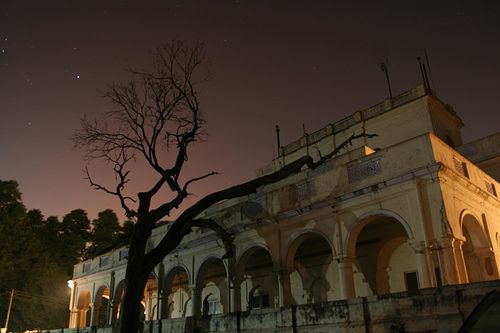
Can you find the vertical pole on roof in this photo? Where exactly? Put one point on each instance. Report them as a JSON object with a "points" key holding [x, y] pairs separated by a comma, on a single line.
{"points": [[383, 67], [278, 139]]}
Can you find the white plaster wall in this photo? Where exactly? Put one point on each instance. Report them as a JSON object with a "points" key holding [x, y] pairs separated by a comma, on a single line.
{"points": [[402, 260]]}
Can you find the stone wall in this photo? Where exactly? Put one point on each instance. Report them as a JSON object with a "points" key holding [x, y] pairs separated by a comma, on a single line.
{"points": [[440, 310]]}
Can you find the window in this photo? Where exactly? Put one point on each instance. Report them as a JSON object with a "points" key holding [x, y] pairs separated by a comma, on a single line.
{"points": [[259, 298], [213, 305], [490, 187], [460, 167], [86, 267], [260, 301], [411, 281], [103, 261], [123, 254]]}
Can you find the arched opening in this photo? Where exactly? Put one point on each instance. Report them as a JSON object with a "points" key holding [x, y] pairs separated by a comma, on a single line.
{"points": [[259, 283], [213, 287], [117, 301], [82, 307], [101, 307], [150, 300], [479, 259], [384, 261], [176, 294], [259, 298], [312, 272]]}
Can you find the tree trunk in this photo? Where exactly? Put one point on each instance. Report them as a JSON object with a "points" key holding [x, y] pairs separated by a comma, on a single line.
{"points": [[136, 277], [135, 282]]}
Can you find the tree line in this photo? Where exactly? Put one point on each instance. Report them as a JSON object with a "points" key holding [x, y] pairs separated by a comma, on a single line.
{"points": [[37, 256]]}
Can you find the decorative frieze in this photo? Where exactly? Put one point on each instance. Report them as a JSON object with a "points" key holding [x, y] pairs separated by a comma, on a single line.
{"points": [[364, 169], [301, 191]]}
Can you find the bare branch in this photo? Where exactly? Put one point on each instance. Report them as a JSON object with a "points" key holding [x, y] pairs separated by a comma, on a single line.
{"points": [[157, 109], [178, 227], [226, 237], [118, 192], [189, 182], [165, 209]]}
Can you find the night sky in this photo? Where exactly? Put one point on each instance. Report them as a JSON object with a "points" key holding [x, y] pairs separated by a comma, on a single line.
{"points": [[272, 62]]}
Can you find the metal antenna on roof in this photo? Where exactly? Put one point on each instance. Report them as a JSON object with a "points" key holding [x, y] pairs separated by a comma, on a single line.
{"points": [[424, 75], [383, 67], [278, 139], [429, 68]]}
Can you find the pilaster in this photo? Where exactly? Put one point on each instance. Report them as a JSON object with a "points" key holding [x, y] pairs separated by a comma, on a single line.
{"points": [[422, 261], [346, 277]]}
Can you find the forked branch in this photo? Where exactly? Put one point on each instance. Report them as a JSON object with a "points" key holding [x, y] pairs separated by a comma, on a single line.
{"points": [[184, 221]]}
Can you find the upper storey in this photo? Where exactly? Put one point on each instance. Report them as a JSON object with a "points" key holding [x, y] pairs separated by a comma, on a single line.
{"points": [[485, 153], [395, 120]]}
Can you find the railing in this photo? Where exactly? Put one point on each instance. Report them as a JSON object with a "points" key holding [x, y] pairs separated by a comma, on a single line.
{"points": [[431, 310]]}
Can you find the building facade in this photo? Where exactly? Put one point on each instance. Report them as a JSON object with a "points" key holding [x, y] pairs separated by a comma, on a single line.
{"points": [[409, 209]]}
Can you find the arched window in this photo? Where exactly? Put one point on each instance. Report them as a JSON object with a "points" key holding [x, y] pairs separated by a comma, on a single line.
{"points": [[259, 298]]}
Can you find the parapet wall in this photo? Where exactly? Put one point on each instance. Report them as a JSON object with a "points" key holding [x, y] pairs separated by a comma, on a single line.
{"points": [[440, 310]]}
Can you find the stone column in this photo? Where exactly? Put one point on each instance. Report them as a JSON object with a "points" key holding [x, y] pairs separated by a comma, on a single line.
{"points": [[80, 313], [448, 265], [159, 295], [196, 299], [459, 255], [422, 259], [285, 288], [73, 319], [111, 298], [73, 313], [235, 293], [91, 309], [346, 277]]}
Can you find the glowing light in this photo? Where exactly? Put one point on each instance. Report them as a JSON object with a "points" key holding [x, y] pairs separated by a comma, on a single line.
{"points": [[71, 284]]}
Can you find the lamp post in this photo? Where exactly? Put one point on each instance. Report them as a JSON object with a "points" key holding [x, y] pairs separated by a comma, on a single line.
{"points": [[72, 320], [4, 329]]}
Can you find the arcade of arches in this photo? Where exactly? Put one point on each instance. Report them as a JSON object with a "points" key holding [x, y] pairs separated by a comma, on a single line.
{"points": [[381, 256]]}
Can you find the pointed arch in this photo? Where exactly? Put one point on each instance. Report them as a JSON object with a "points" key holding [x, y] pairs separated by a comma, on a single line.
{"points": [[101, 306], [309, 259], [479, 258], [258, 282], [363, 220], [212, 279], [82, 306], [373, 242], [248, 252], [176, 292], [297, 239]]}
